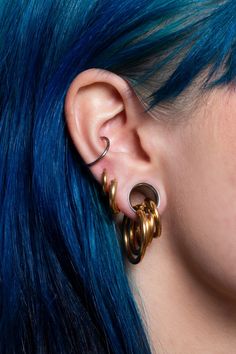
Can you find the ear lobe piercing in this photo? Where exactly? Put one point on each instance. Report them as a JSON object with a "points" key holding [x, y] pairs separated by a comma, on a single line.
{"points": [[137, 234]]}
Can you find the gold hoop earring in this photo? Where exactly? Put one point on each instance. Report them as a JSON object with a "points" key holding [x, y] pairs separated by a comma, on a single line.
{"points": [[112, 196], [138, 234], [105, 187], [111, 191]]}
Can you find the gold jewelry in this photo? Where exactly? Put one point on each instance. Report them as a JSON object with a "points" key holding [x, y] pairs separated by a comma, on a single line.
{"points": [[111, 190], [104, 181], [103, 154], [138, 234], [112, 196]]}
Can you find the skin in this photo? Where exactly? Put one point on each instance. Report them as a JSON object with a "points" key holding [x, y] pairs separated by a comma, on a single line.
{"points": [[185, 285]]}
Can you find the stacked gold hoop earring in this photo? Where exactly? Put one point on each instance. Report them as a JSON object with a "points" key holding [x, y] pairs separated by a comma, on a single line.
{"points": [[111, 191], [138, 233]]}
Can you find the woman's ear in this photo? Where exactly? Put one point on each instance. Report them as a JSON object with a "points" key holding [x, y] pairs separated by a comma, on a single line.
{"points": [[101, 103]]}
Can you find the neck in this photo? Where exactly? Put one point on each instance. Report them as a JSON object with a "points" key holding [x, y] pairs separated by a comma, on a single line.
{"points": [[184, 315]]}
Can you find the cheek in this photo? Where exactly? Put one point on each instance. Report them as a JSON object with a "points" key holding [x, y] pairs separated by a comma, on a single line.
{"points": [[204, 204]]}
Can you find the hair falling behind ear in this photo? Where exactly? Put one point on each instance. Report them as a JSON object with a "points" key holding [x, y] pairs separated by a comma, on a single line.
{"points": [[63, 285]]}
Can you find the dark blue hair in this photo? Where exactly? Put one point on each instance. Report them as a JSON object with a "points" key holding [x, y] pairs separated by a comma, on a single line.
{"points": [[63, 282]]}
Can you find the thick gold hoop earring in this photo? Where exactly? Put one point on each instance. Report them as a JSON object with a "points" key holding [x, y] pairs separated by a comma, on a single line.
{"points": [[104, 181], [111, 191], [138, 234], [134, 236], [112, 196]]}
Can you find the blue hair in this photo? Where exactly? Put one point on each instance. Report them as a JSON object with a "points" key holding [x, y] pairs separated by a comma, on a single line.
{"points": [[63, 281]]}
